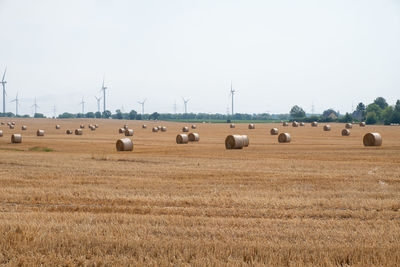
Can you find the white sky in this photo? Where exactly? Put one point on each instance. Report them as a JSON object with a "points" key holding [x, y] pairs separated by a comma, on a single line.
{"points": [[278, 53]]}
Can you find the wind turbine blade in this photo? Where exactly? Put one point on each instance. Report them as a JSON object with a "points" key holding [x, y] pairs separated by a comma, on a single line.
{"points": [[4, 74]]}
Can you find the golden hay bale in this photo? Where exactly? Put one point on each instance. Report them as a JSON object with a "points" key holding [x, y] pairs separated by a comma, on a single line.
{"points": [[327, 128], [126, 127], [295, 124], [82, 126], [236, 141], [372, 139], [12, 126], [285, 124], [232, 125], [144, 126], [68, 131], [194, 126], [92, 127], [163, 129], [362, 124], [96, 125], [24, 128], [58, 127], [185, 129], [182, 139], [274, 131], [314, 124], [1, 133], [349, 125], [124, 144], [16, 138], [121, 130], [252, 126], [302, 124], [13, 123], [155, 129], [194, 137], [40, 132], [345, 132], [2, 123], [8, 123], [128, 132], [78, 132], [284, 138]]}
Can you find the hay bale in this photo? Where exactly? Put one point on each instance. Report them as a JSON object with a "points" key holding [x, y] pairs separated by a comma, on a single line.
{"points": [[362, 124], [126, 127], [372, 139], [155, 129], [128, 132], [194, 126], [144, 126], [163, 129], [2, 123], [16, 138], [96, 125], [1, 133], [345, 132], [121, 130], [124, 144], [251, 126], [314, 124], [232, 125], [185, 129], [274, 131], [78, 132], [182, 139], [295, 124], [284, 138], [58, 127], [194, 137], [12, 126], [68, 131], [327, 128], [302, 124], [285, 124], [236, 141], [82, 126], [24, 128], [348, 126], [13, 123], [92, 127], [40, 132]]}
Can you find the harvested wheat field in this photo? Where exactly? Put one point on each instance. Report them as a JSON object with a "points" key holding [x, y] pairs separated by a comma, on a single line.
{"points": [[322, 199]]}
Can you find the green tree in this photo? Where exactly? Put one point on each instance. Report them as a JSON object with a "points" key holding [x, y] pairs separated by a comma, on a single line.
{"points": [[387, 114], [97, 114], [118, 114], [397, 106], [371, 118], [138, 117], [106, 114], [154, 116], [66, 115], [89, 115], [132, 114], [39, 115], [375, 109], [381, 102], [346, 118], [297, 112]]}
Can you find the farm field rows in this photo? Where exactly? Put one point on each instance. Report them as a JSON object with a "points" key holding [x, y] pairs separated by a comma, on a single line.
{"points": [[322, 199]]}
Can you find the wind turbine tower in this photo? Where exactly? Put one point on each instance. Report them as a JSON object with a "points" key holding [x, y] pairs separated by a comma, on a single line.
{"points": [[16, 100], [185, 101], [98, 103], [35, 106], [232, 94], [3, 83], [54, 111], [142, 103], [83, 106], [103, 88]]}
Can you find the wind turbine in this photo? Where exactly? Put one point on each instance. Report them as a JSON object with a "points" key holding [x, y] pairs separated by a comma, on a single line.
{"points": [[98, 102], [35, 106], [3, 82], [83, 106], [16, 100], [103, 88], [54, 111], [232, 94], [185, 101], [142, 103]]}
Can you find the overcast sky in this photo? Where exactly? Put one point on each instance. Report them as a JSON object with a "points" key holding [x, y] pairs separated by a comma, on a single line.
{"points": [[277, 53]]}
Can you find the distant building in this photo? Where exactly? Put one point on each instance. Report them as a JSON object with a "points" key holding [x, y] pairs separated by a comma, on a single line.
{"points": [[333, 116]]}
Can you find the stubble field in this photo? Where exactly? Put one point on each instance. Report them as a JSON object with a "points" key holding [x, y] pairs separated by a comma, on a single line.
{"points": [[323, 199]]}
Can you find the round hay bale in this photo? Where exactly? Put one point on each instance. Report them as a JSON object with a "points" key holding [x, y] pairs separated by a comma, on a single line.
{"points": [[126, 127], [314, 124], [251, 126], [327, 128], [12, 126], [8, 123], [295, 124], [1, 133], [96, 125], [274, 131], [92, 127], [185, 129], [13, 123], [121, 130], [155, 129], [372, 139], [2, 123], [144, 126], [82, 126], [284, 138], [302, 124], [362, 124], [234, 142], [128, 132], [348, 126], [163, 129], [345, 132], [245, 140], [194, 137], [285, 124], [194, 126], [16, 138], [68, 131], [78, 132], [58, 127], [24, 128], [40, 132], [124, 144], [232, 125], [182, 139]]}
